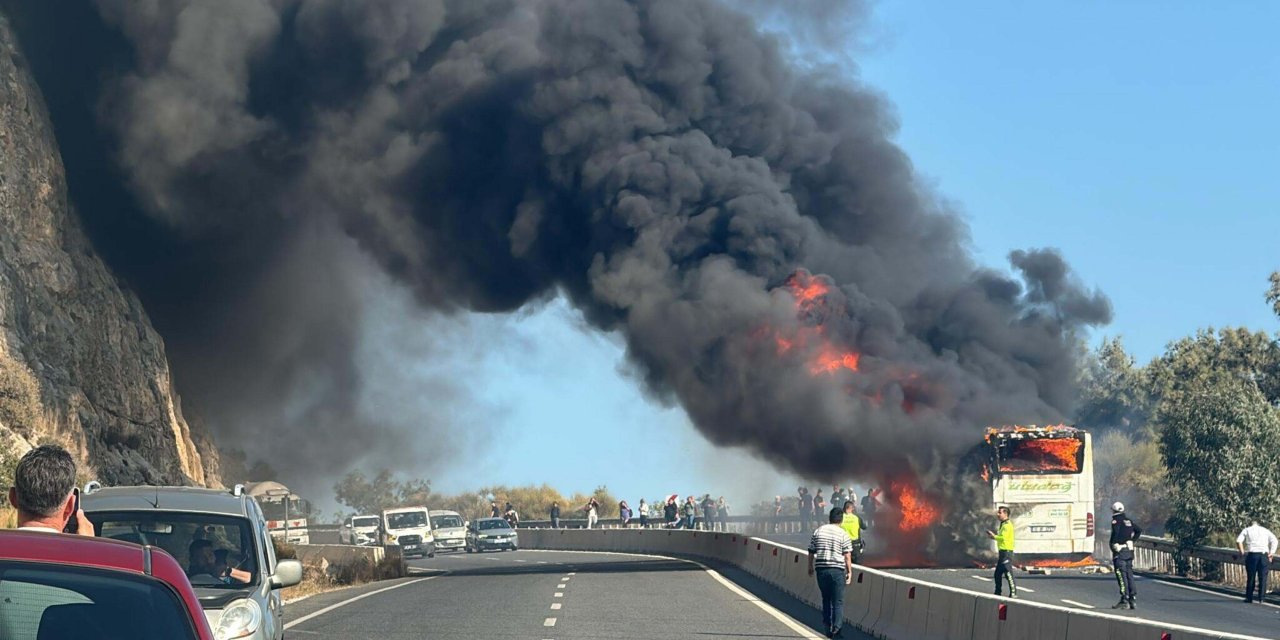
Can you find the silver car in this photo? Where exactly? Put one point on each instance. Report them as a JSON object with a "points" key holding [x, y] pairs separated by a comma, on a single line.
{"points": [[491, 533], [219, 537]]}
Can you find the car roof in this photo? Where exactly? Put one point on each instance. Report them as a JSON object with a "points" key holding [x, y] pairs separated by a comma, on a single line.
{"points": [[444, 512], [492, 520], [405, 510], [148, 498], [71, 549]]}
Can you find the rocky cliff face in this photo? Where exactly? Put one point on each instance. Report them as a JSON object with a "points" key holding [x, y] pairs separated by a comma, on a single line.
{"points": [[104, 379]]}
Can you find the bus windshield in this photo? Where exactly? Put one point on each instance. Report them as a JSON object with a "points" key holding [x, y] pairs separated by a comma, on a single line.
{"points": [[1039, 455]]}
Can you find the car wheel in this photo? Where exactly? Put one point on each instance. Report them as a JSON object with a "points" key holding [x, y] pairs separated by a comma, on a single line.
{"points": [[431, 553]]}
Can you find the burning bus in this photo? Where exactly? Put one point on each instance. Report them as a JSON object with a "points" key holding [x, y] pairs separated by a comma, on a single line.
{"points": [[1045, 476]]}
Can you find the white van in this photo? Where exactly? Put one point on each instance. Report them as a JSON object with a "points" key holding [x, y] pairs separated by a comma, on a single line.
{"points": [[360, 530], [449, 530], [410, 528]]}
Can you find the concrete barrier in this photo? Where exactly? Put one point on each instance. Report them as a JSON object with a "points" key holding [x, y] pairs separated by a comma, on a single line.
{"points": [[882, 604], [339, 554]]}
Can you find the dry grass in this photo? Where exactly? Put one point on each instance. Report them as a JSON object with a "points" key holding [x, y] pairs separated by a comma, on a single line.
{"points": [[320, 577]]}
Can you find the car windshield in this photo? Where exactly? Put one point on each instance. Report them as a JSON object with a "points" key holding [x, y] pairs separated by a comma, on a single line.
{"points": [[446, 522], [406, 520], [486, 525], [365, 521], [217, 552], [57, 601]]}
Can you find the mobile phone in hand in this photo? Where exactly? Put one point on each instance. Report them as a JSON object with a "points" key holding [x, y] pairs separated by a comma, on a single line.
{"points": [[73, 523]]}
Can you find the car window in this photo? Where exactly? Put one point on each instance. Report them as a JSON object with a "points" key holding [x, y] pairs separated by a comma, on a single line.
{"points": [[41, 601], [406, 520], [446, 522], [217, 552], [367, 521], [486, 525]]}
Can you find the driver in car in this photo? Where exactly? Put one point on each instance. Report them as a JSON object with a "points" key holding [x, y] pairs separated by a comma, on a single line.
{"points": [[203, 562]]}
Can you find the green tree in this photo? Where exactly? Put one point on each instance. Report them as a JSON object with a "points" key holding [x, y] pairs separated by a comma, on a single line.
{"points": [[1128, 468], [1115, 393], [1247, 354], [1219, 437], [366, 495], [1273, 294]]}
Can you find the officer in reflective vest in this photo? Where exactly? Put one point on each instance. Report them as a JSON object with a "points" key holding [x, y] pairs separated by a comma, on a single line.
{"points": [[1123, 534], [1003, 535], [853, 525]]}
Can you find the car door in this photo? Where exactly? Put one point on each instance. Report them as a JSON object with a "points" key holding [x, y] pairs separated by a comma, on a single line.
{"points": [[275, 605]]}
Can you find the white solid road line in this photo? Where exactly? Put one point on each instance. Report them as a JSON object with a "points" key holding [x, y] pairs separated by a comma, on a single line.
{"points": [[981, 578], [1233, 596], [791, 623], [362, 596], [1078, 604], [1028, 590]]}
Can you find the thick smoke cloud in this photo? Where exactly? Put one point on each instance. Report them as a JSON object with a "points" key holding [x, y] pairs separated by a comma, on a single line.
{"points": [[659, 162]]}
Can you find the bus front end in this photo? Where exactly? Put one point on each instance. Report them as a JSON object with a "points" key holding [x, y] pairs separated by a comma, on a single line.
{"points": [[1045, 476]]}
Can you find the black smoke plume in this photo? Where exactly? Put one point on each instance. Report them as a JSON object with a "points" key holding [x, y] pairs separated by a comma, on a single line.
{"points": [[661, 163]]}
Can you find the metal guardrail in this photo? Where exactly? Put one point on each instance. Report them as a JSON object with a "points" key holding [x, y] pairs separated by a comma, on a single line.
{"points": [[1215, 564]]}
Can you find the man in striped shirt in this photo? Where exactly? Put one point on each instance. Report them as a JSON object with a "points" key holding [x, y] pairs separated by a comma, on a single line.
{"points": [[830, 559]]}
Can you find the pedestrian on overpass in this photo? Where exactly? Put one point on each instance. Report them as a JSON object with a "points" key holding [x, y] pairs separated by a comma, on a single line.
{"points": [[708, 513], [690, 512], [1003, 535], [1124, 533], [642, 511], [777, 514], [806, 508], [670, 512], [852, 525], [1259, 546], [722, 511], [869, 504], [593, 512], [624, 514], [555, 515], [830, 559]]}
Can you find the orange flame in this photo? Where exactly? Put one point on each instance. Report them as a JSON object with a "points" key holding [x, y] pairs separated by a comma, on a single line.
{"points": [[917, 512], [1044, 454], [1055, 563], [831, 361]]}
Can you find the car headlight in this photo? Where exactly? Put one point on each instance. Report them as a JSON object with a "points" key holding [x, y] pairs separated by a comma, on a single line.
{"points": [[391, 538], [240, 619]]}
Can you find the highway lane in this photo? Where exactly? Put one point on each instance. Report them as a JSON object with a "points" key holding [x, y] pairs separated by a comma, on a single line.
{"points": [[1158, 599], [556, 595]]}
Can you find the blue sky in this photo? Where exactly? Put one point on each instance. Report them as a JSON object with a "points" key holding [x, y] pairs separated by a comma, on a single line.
{"points": [[1140, 138]]}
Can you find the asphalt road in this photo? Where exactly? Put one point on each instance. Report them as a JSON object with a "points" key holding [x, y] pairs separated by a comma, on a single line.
{"points": [[1158, 600], [1162, 600], [556, 595]]}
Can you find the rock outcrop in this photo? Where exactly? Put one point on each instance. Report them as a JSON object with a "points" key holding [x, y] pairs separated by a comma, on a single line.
{"points": [[105, 384]]}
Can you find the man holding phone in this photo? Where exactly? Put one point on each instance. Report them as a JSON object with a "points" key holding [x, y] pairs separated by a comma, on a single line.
{"points": [[44, 492]]}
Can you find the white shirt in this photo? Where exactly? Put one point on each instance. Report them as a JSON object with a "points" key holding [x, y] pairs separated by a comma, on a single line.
{"points": [[39, 528], [1257, 539]]}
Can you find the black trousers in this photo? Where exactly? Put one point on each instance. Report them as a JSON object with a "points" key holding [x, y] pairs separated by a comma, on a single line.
{"points": [[1123, 564], [1004, 571], [1255, 568]]}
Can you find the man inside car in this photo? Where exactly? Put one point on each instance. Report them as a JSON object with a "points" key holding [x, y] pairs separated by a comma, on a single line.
{"points": [[203, 563], [43, 492]]}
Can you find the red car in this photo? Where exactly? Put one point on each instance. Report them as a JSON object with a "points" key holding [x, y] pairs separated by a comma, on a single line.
{"points": [[55, 586]]}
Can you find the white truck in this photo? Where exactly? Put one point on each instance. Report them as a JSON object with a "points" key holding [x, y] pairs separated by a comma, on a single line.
{"points": [[410, 528]]}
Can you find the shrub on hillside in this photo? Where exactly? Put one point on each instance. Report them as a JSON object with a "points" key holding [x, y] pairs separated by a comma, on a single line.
{"points": [[20, 408]]}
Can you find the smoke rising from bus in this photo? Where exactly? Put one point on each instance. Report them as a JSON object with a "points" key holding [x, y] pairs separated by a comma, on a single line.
{"points": [[660, 163]]}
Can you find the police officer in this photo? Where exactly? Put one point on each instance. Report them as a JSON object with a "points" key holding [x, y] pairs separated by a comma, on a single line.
{"points": [[853, 525], [1003, 535], [1123, 534]]}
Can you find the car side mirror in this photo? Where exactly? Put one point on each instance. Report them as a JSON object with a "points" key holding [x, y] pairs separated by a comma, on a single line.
{"points": [[288, 574]]}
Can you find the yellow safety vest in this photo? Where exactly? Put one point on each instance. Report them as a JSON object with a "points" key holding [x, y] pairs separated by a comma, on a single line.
{"points": [[852, 525], [1004, 536]]}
